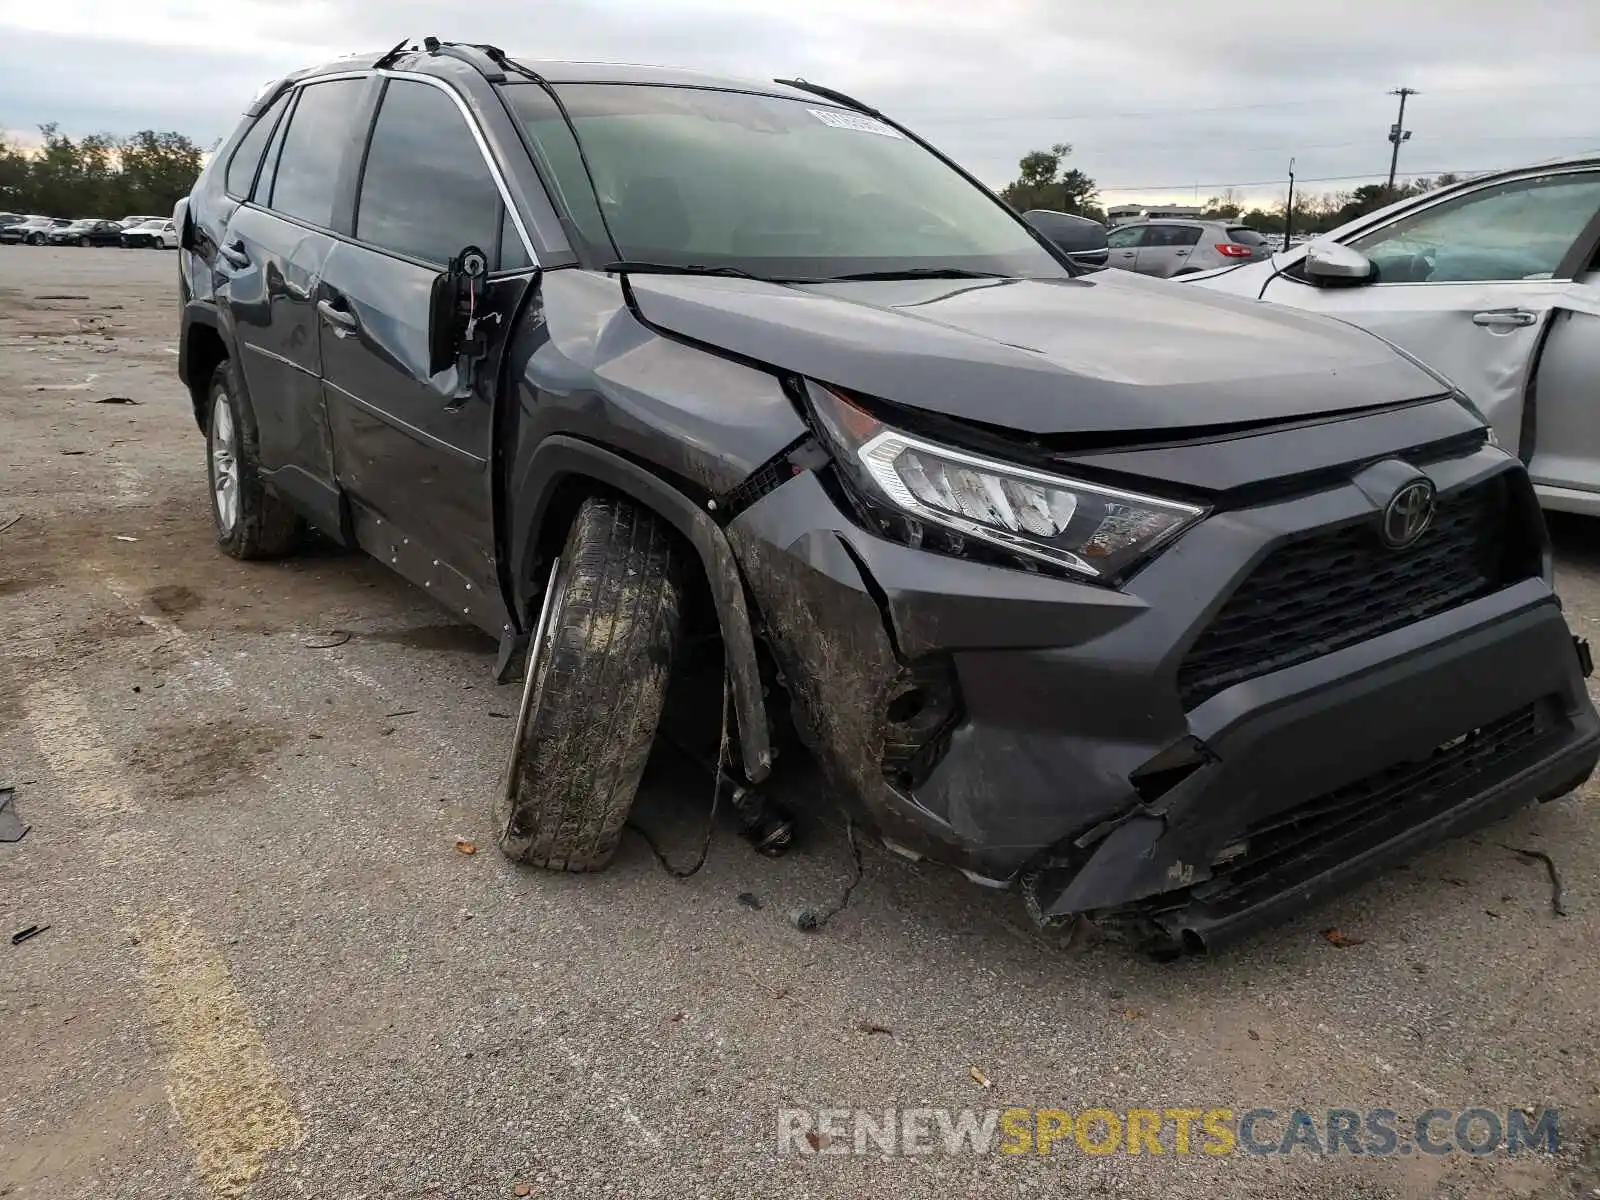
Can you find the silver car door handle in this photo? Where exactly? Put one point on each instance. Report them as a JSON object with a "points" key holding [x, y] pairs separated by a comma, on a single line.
{"points": [[1504, 318]]}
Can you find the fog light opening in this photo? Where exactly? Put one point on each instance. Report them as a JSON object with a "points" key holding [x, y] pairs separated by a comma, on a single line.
{"points": [[907, 706]]}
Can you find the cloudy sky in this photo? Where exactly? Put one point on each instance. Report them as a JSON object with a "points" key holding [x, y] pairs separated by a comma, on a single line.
{"points": [[1162, 100]]}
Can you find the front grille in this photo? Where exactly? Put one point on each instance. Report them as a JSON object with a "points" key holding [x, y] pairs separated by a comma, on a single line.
{"points": [[1288, 845], [1336, 587]]}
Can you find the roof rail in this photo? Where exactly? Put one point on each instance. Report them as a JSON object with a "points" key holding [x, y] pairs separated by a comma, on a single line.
{"points": [[486, 60], [827, 93], [477, 57]]}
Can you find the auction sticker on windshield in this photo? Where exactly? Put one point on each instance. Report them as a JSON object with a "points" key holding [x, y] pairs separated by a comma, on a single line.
{"points": [[845, 120]]}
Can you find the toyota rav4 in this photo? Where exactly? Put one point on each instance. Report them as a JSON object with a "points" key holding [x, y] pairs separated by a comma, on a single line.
{"points": [[1173, 610]]}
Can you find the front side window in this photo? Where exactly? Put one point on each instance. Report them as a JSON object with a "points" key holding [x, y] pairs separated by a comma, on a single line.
{"points": [[246, 158], [426, 191], [1125, 238], [781, 188], [313, 150], [1516, 230]]}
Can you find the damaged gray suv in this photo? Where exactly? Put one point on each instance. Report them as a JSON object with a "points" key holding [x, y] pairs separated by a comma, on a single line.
{"points": [[1172, 610]]}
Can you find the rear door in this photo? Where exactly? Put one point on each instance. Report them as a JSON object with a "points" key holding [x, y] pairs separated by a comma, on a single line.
{"points": [[1165, 249], [1563, 424], [414, 450], [272, 257], [1468, 284], [1123, 247]]}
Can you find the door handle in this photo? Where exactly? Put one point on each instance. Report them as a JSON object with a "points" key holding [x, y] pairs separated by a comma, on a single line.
{"points": [[234, 253], [1504, 318], [342, 319]]}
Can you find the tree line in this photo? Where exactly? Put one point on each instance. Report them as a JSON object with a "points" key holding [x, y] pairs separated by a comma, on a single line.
{"points": [[98, 175], [1045, 181]]}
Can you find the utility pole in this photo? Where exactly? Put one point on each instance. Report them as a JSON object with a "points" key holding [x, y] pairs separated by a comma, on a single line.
{"points": [[1288, 209], [1398, 132]]}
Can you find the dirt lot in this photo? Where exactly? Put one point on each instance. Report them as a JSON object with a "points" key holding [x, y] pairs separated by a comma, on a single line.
{"points": [[270, 971]]}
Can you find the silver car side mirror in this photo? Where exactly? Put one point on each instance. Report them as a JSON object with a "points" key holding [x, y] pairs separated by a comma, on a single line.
{"points": [[1329, 263]]}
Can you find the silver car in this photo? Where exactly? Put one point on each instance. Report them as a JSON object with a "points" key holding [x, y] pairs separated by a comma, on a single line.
{"points": [[1171, 247], [1495, 283]]}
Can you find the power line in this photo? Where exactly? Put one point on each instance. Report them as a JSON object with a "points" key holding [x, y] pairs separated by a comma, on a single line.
{"points": [[1190, 185], [1300, 147], [1182, 110]]}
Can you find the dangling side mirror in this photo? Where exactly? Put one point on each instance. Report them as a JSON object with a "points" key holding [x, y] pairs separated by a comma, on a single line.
{"points": [[452, 308]]}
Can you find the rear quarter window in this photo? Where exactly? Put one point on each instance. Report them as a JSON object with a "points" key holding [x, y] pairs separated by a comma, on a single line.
{"points": [[1244, 236], [246, 160], [314, 149]]}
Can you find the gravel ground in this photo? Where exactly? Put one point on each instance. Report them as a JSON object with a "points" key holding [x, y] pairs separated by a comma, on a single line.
{"points": [[271, 972]]}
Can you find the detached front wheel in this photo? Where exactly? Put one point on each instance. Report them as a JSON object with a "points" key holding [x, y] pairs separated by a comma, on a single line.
{"points": [[597, 676]]}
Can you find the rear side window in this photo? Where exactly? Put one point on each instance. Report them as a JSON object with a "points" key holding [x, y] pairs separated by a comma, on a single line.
{"points": [[1172, 235], [426, 191], [247, 155], [313, 149], [1245, 236]]}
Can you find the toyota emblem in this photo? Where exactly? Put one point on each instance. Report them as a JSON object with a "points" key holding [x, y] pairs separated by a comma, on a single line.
{"points": [[1409, 514]]}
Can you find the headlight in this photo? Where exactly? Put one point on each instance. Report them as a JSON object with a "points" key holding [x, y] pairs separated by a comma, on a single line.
{"points": [[1084, 527]]}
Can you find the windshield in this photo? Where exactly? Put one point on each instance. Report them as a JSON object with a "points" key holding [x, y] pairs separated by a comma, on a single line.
{"points": [[779, 188]]}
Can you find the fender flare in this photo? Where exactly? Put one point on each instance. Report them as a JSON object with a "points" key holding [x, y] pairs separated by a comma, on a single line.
{"points": [[559, 457]]}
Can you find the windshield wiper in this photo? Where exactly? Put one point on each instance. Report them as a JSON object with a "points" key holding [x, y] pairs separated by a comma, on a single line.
{"points": [[655, 268], [916, 273]]}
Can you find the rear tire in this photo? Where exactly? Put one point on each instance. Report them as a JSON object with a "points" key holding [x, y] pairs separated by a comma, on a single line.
{"points": [[83, 241], [594, 691], [250, 521]]}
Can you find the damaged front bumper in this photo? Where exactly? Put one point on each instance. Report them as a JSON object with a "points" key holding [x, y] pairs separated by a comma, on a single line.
{"points": [[1102, 747]]}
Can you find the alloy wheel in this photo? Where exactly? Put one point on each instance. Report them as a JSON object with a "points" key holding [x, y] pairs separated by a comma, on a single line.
{"points": [[225, 462]]}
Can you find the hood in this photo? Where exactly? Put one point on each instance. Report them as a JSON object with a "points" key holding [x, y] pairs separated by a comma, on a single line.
{"points": [[1104, 353]]}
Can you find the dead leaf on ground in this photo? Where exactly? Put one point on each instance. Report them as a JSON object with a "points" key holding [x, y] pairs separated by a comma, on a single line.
{"points": [[817, 1140], [522, 1189], [868, 1028], [979, 1078], [465, 847], [1132, 1014], [1254, 1036], [1338, 937]]}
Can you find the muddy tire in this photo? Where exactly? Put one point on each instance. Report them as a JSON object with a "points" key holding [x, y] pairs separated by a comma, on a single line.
{"points": [[595, 691], [250, 521]]}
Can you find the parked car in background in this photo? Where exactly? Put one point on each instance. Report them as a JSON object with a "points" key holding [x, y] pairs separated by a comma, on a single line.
{"points": [[9, 219], [1495, 282], [89, 231], [35, 231], [157, 232], [1168, 248], [129, 222], [1172, 610], [1079, 238]]}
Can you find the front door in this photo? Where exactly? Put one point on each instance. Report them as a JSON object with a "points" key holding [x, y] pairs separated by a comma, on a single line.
{"points": [[414, 450], [1468, 285], [1123, 247]]}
